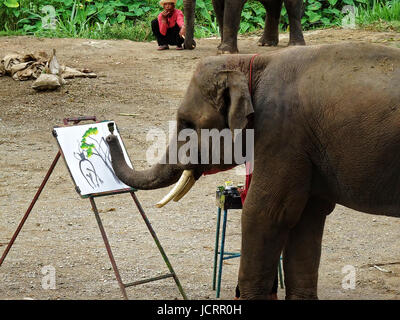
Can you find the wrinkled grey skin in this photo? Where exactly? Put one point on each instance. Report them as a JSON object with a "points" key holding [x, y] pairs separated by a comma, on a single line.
{"points": [[189, 12], [326, 121], [228, 14]]}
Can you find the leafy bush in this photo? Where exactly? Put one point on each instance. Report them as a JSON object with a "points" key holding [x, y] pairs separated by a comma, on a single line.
{"points": [[380, 15], [73, 15], [253, 17], [318, 13]]}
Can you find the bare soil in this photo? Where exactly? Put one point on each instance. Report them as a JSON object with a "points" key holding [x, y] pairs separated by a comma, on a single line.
{"points": [[134, 78]]}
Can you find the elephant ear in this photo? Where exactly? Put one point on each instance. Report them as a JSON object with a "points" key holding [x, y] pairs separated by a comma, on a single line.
{"points": [[233, 98]]}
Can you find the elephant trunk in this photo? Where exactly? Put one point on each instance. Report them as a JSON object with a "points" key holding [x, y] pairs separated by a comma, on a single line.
{"points": [[158, 176]]}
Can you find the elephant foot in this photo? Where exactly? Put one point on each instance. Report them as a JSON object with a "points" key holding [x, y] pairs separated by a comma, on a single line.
{"points": [[220, 52], [226, 49], [189, 45], [269, 43], [272, 296], [303, 294], [299, 42], [295, 297]]}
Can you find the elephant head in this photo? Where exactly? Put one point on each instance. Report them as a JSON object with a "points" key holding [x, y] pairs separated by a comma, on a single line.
{"points": [[217, 98]]}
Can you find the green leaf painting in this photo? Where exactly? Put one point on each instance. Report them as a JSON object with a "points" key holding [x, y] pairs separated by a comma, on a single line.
{"points": [[88, 146]]}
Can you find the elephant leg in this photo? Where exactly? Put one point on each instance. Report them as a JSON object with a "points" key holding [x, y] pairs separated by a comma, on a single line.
{"points": [[294, 9], [270, 36], [230, 29], [276, 198], [219, 12], [189, 10], [302, 251]]}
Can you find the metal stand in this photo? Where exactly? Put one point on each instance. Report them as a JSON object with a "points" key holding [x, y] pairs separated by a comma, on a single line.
{"points": [[223, 255], [102, 230]]}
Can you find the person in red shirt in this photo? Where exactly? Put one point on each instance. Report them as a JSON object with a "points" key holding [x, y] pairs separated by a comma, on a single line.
{"points": [[169, 27]]}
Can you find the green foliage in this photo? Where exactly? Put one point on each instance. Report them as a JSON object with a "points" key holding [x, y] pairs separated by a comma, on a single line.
{"points": [[253, 17], [206, 22], [88, 146], [381, 15], [11, 3], [74, 18], [322, 13], [89, 132], [131, 19]]}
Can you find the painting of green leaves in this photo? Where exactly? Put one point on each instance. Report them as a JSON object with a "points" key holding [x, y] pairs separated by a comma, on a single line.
{"points": [[88, 159]]}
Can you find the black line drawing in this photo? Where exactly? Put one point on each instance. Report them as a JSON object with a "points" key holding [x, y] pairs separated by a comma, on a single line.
{"points": [[87, 169], [86, 150], [104, 154]]}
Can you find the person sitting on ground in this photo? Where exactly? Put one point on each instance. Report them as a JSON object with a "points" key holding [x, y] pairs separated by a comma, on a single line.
{"points": [[169, 27]]}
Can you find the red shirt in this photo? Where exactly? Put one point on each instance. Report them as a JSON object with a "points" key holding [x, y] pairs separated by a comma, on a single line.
{"points": [[176, 18]]}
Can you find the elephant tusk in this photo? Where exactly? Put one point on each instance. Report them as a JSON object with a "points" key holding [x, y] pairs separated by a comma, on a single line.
{"points": [[185, 182], [189, 184]]}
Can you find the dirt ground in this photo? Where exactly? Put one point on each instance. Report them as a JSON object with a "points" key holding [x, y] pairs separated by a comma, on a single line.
{"points": [[61, 232]]}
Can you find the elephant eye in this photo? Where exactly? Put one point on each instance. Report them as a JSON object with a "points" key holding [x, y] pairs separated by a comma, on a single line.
{"points": [[186, 124]]}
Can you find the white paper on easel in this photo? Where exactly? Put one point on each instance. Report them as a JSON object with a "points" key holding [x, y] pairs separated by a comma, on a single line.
{"points": [[88, 158]]}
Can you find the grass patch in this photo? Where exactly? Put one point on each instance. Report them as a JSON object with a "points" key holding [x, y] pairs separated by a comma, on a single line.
{"points": [[141, 31], [380, 16], [382, 26], [4, 33]]}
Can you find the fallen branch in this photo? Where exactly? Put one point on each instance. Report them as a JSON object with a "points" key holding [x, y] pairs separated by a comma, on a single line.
{"points": [[381, 269], [128, 114]]}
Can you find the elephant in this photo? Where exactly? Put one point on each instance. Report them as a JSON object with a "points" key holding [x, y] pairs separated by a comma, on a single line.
{"points": [[325, 124], [228, 14]]}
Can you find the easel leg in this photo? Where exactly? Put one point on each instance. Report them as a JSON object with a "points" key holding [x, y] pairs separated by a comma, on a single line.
{"points": [[107, 244], [160, 248], [30, 207]]}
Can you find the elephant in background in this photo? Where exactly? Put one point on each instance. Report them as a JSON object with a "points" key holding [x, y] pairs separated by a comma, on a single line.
{"points": [[326, 131], [228, 13]]}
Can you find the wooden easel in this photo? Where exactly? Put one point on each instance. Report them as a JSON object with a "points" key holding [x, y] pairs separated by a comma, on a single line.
{"points": [[122, 285]]}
